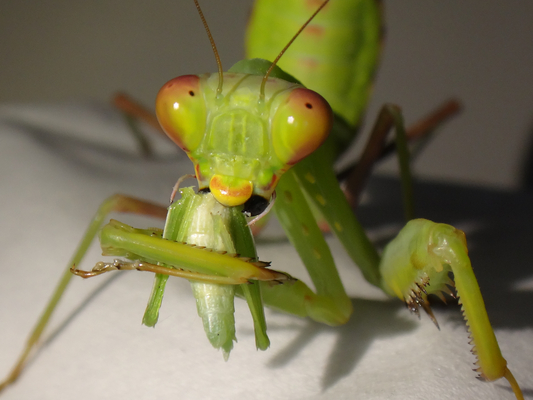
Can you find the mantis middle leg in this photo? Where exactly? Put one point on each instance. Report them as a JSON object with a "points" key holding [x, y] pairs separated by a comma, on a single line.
{"points": [[116, 203]]}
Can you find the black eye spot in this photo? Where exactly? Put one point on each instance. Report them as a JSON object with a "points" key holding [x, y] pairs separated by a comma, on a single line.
{"points": [[255, 205], [191, 92], [309, 105]]}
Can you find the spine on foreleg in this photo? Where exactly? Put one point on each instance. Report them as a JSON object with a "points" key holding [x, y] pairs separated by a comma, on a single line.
{"points": [[417, 263]]}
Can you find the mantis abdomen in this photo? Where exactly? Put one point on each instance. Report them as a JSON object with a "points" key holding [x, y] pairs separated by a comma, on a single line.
{"points": [[336, 55]]}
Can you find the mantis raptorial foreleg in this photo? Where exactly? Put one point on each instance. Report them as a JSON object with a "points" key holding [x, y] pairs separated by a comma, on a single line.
{"points": [[417, 263], [316, 178]]}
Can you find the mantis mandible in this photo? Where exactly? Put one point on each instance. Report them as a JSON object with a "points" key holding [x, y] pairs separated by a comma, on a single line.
{"points": [[331, 307]]}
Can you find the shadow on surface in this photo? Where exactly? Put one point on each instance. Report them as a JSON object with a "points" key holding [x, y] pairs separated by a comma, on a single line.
{"points": [[370, 321], [87, 153], [49, 337]]}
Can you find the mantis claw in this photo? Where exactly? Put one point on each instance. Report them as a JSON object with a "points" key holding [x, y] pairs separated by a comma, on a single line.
{"points": [[417, 298], [425, 252], [427, 308]]}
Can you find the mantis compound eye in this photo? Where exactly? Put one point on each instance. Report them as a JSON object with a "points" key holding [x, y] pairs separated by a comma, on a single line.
{"points": [[300, 125], [181, 111]]}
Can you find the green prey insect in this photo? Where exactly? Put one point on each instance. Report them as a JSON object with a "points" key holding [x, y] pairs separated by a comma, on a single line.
{"points": [[253, 127]]}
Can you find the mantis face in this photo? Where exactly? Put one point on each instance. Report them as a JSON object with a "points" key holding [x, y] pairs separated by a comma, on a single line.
{"points": [[240, 144]]}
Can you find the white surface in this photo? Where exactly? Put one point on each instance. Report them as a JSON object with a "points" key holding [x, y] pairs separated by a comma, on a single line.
{"points": [[57, 163]]}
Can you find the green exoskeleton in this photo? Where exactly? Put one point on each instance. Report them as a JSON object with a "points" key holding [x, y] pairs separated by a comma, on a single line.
{"points": [[253, 134]]}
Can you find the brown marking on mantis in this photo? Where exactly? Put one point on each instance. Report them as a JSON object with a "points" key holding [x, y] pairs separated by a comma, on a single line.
{"points": [[314, 31], [308, 63], [313, 4], [322, 4]]}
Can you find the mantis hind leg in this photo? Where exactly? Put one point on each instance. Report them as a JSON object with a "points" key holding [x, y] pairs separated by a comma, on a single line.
{"points": [[116, 203], [377, 147], [389, 117]]}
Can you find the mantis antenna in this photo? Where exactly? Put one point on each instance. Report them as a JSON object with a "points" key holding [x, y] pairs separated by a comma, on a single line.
{"points": [[214, 47], [263, 83]]}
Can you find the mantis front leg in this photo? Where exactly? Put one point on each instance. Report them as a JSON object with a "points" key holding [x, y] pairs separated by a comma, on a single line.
{"points": [[418, 262]]}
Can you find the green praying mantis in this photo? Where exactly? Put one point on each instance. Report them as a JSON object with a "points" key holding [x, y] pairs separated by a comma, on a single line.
{"points": [[227, 231]]}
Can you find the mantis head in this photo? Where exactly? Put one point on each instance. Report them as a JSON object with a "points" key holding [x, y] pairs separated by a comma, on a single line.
{"points": [[240, 142]]}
